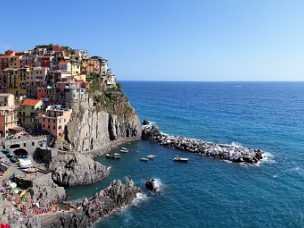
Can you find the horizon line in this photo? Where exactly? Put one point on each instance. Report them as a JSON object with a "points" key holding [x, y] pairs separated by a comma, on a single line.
{"points": [[205, 81]]}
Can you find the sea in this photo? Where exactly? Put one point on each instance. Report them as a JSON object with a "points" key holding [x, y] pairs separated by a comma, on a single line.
{"points": [[205, 192]]}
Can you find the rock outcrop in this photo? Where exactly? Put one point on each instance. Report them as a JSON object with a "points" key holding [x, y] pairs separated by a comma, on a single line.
{"points": [[80, 214], [98, 122], [70, 169], [230, 152], [118, 195], [45, 191]]}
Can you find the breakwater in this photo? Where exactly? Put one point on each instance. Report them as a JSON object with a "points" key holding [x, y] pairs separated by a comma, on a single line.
{"points": [[230, 152]]}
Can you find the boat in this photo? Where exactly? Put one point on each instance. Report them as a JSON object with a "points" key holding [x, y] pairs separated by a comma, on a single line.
{"points": [[151, 156], [144, 159], [114, 156], [124, 150], [180, 159]]}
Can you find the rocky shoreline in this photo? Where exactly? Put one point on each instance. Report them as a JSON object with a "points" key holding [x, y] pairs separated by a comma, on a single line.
{"points": [[229, 152], [80, 214], [88, 211]]}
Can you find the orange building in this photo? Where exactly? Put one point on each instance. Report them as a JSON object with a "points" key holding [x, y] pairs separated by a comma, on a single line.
{"points": [[55, 119]]}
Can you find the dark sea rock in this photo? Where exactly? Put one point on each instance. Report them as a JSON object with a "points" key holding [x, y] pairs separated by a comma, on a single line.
{"points": [[118, 195], [230, 152], [70, 169]]}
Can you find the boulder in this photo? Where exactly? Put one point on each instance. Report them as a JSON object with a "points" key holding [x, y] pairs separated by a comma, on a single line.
{"points": [[70, 169]]}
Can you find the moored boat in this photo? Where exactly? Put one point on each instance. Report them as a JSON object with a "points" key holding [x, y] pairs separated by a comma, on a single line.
{"points": [[113, 156], [151, 156], [180, 159], [144, 159], [124, 150]]}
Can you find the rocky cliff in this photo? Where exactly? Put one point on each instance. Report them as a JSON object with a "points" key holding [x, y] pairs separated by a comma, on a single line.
{"points": [[70, 169], [100, 120]]}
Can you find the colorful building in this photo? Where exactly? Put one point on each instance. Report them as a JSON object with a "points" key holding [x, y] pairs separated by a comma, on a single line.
{"points": [[69, 66], [28, 113], [55, 119], [14, 60], [14, 80], [8, 114], [4, 59], [94, 65], [109, 79]]}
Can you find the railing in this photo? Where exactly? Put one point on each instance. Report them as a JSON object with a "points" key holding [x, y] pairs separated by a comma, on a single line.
{"points": [[24, 139]]}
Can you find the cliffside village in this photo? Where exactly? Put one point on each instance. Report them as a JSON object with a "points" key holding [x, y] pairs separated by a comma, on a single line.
{"points": [[38, 87]]}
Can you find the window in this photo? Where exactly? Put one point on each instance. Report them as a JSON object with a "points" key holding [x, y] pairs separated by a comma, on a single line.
{"points": [[33, 143]]}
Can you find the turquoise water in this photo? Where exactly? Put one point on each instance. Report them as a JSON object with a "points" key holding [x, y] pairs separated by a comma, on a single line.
{"points": [[206, 192]]}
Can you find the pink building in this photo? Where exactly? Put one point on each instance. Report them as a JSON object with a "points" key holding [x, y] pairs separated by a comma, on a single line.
{"points": [[55, 119], [8, 114]]}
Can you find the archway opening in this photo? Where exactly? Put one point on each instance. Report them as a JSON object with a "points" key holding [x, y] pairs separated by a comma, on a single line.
{"points": [[21, 153]]}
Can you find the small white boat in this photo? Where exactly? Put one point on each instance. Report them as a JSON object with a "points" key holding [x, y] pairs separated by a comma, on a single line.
{"points": [[113, 156], [180, 159], [144, 159], [151, 156], [124, 150]]}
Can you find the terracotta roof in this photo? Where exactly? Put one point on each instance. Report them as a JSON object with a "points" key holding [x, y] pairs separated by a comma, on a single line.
{"points": [[30, 102]]}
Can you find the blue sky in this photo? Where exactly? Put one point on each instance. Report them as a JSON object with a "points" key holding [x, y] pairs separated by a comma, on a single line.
{"points": [[201, 40]]}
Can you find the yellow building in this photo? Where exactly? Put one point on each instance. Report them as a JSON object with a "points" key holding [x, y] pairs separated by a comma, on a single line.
{"points": [[10, 79], [16, 80], [14, 60], [69, 66], [21, 80]]}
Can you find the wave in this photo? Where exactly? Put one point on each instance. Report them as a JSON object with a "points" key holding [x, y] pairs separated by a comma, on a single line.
{"points": [[159, 184], [290, 171], [140, 197], [268, 158], [236, 144]]}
